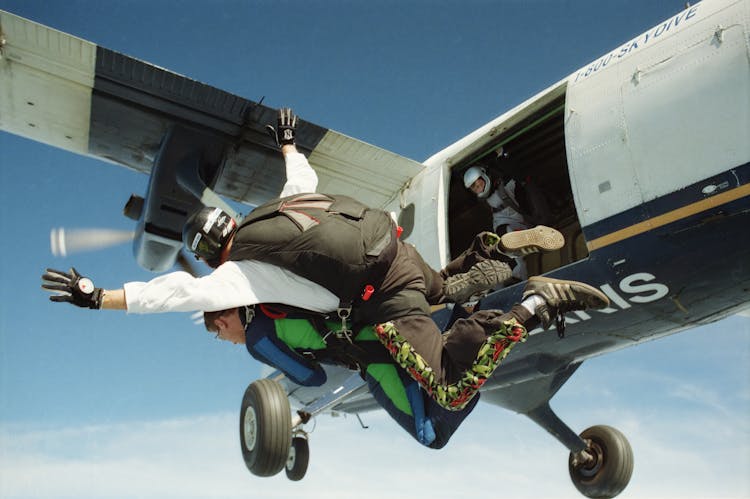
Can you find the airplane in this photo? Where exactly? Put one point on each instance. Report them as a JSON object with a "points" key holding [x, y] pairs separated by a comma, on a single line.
{"points": [[604, 139]]}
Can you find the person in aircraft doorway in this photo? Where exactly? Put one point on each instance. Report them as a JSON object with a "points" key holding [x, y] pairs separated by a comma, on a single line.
{"points": [[332, 255], [515, 210]]}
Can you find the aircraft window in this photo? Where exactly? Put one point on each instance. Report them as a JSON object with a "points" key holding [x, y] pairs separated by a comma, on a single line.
{"points": [[533, 154]]}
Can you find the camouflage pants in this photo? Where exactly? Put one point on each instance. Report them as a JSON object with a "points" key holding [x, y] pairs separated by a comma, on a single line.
{"points": [[453, 366]]}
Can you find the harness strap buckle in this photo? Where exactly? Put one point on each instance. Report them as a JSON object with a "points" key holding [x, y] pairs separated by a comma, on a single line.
{"points": [[247, 314], [344, 311]]}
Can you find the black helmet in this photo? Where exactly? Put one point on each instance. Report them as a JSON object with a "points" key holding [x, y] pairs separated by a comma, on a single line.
{"points": [[206, 232]]}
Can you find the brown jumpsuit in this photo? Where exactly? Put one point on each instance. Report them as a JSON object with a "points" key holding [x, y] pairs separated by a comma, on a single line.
{"points": [[450, 366]]}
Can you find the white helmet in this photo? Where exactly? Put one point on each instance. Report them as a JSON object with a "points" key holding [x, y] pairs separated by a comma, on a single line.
{"points": [[476, 172]]}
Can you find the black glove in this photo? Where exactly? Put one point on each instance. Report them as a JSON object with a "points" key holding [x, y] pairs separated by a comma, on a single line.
{"points": [[72, 288], [286, 126]]}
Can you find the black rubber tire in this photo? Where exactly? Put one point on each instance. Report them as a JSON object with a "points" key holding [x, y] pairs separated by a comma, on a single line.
{"points": [[299, 458], [612, 468], [265, 427]]}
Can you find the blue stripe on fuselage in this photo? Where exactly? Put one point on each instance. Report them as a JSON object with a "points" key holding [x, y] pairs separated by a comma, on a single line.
{"points": [[730, 179]]}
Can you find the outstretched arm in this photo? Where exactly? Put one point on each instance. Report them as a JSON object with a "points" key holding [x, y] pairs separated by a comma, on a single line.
{"points": [[114, 299], [230, 285], [173, 292], [300, 177]]}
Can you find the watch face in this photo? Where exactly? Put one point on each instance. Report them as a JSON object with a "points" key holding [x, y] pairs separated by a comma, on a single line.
{"points": [[85, 285]]}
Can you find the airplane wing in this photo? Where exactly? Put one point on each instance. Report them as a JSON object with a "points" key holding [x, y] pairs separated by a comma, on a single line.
{"points": [[70, 93], [344, 391]]}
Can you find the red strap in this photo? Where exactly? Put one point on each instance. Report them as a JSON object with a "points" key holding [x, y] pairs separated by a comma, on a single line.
{"points": [[271, 313]]}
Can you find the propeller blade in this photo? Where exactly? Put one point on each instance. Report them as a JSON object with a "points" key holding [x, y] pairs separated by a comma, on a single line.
{"points": [[66, 241]]}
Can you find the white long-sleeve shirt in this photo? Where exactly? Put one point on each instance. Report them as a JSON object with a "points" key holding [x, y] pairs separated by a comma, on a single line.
{"points": [[232, 284], [300, 177], [237, 283]]}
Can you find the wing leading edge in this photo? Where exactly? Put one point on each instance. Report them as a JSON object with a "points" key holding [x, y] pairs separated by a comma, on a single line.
{"points": [[70, 93], [188, 136]]}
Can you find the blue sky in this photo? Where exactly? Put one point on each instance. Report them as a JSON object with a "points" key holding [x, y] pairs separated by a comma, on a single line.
{"points": [[100, 404]]}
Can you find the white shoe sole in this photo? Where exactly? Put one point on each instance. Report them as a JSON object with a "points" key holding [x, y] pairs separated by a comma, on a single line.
{"points": [[525, 242]]}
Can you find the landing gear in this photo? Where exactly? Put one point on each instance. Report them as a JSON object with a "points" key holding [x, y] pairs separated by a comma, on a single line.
{"points": [[603, 469], [299, 458], [265, 427], [601, 460], [271, 439]]}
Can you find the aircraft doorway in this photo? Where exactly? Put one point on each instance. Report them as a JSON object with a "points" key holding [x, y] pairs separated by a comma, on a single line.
{"points": [[531, 152]]}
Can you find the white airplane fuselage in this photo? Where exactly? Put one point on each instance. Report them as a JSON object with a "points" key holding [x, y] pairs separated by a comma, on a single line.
{"points": [[657, 154]]}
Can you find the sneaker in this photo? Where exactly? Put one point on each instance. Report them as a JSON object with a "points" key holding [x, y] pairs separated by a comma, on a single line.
{"points": [[525, 242], [480, 277], [562, 296]]}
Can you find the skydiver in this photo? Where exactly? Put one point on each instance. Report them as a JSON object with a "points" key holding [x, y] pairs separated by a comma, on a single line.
{"points": [[306, 344], [509, 214], [281, 253]]}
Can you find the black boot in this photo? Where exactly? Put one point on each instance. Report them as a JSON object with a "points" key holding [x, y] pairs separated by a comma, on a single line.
{"points": [[481, 276]]}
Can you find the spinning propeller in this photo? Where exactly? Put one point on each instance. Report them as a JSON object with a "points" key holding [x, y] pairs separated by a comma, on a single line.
{"points": [[66, 241]]}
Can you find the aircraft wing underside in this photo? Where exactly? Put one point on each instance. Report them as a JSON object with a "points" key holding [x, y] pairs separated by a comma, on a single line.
{"points": [[344, 391], [72, 94]]}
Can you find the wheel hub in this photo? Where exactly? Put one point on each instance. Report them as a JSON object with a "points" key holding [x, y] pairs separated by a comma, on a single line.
{"points": [[593, 461], [291, 458], [250, 428]]}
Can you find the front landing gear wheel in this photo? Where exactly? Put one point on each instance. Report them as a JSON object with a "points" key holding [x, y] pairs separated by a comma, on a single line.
{"points": [[604, 469], [265, 427], [299, 458]]}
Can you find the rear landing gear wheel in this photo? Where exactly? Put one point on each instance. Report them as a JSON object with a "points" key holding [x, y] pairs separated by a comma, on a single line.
{"points": [[265, 427], [604, 469], [299, 458]]}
